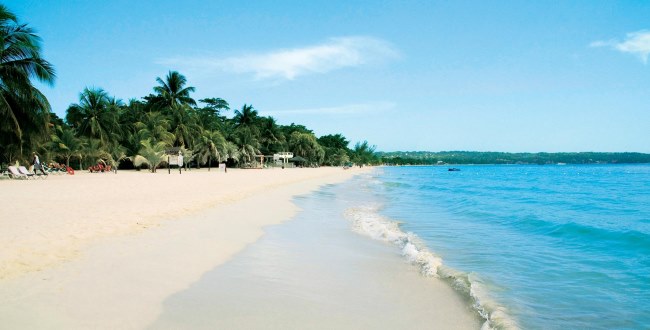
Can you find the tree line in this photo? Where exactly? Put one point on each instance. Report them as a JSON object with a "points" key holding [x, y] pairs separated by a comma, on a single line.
{"points": [[541, 158], [137, 133]]}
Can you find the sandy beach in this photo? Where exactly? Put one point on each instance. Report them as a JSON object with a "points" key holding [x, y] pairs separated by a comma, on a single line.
{"points": [[105, 250], [117, 229]]}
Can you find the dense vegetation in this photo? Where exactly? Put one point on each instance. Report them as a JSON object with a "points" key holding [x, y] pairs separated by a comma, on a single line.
{"points": [[469, 157], [102, 128]]}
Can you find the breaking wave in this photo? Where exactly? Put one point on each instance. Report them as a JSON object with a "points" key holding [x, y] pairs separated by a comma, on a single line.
{"points": [[367, 220]]}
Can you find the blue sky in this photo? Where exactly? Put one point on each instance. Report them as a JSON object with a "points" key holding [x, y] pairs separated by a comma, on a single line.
{"points": [[404, 75]]}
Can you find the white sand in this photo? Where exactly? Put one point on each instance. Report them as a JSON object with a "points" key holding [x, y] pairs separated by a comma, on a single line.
{"points": [[46, 222], [104, 251]]}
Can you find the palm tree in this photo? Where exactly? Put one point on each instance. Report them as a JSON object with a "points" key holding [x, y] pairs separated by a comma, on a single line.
{"points": [[116, 153], [93, 150], [272, 138], [24, 109], [246, 117], [151, 154], [184, 126], [173, 98], [66, 144], [155, 126], [247, 144], [211, 144], [172, 93], [231, 151], [96, 115]]}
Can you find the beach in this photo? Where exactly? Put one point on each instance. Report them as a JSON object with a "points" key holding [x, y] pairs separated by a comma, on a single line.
{"points": [[105, 250]]}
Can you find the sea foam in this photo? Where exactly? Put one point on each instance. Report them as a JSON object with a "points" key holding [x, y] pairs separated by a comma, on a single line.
{"points": [[368, 221]]}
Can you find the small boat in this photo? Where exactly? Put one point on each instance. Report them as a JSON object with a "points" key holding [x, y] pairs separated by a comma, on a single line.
{"points": [[453, 169]]}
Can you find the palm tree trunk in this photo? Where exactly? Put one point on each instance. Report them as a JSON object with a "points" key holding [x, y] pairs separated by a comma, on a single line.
{"points": [[209, 165]]}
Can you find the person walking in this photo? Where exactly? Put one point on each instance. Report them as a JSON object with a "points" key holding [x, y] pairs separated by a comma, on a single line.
{"points": [[37, 163]]}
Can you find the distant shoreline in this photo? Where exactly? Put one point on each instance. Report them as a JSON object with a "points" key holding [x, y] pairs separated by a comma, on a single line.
{"points": [[505, 158]]}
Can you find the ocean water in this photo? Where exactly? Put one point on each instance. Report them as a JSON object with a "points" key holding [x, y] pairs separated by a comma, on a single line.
{"points": [[532, 247], [490, 247]]}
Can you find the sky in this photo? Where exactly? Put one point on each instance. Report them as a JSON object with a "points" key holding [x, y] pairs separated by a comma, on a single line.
{"points": [[514, 76]]}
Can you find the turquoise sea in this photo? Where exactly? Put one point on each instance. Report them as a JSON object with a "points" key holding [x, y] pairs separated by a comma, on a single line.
{"points": [[516, 247], [534, 247]]}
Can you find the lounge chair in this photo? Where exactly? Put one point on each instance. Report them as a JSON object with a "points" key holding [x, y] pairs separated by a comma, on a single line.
{"points": [[15, 174], [31, 175], [25, 172]]}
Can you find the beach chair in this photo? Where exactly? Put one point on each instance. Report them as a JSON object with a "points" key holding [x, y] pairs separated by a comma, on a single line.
{"points": [[22, 170], [15, 174], [30, 175]]}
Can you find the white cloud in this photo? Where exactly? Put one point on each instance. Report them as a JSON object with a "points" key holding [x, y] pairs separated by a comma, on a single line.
{"points": [[348, 109], [636, 43], [334, 54]]}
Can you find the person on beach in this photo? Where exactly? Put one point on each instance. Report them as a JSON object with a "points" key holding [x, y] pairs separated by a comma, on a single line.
{"points": [[37, 163], [180, 162]]}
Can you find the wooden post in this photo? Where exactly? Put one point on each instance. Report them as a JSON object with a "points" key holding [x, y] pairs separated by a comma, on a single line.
{"points": [[169, 171]]}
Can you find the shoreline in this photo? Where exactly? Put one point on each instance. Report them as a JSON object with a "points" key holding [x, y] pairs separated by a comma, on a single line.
{"points": [[111, 262], [318, 272]]}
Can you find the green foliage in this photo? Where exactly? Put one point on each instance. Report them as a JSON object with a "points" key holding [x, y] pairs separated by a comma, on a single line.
{"points": [[336, 149], [64, 143], [96, 115], [472, 157], [364, 154], [151, 154], [23, 108], [305, 145], [210, 145]]}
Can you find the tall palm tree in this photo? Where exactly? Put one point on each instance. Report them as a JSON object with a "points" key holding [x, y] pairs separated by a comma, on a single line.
{"points": [[172, 93], [173, 99], [246, 117], [271, 137], [24, 109], [96, 115]]}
